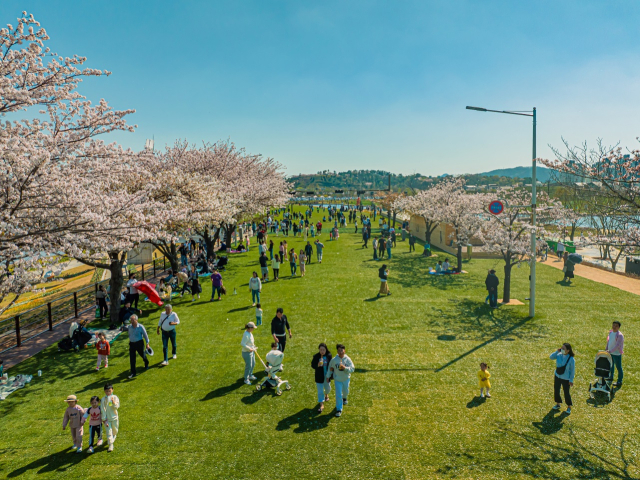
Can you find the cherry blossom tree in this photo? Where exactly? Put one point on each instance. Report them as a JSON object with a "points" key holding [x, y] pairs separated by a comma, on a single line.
{"points": [[430, 204], [509, 233], [463, 211], [47, 161]]}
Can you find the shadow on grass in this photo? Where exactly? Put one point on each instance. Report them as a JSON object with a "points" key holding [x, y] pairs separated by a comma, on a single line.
{"points": [[477, 321], [56, 462], [240, 309], [551, 423], [99, 384], [476, 402], [562, 283], [222, 391], [308, 420], [579, 454]]}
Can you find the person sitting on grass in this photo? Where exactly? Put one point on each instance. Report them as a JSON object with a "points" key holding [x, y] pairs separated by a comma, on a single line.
{"points": [[127, 312], [446, 266], [439, 267]]}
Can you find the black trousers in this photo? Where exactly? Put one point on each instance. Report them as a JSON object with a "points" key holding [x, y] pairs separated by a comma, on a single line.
{"points": [[102, 305], [282, 343], [139, 348], [133, 298], [557, 382], [95, 429], [412, 247]]}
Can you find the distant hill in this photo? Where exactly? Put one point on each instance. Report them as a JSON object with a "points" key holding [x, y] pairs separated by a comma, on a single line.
{"points": [[542, 173]]}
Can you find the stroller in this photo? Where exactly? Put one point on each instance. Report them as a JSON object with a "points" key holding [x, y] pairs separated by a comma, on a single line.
{"points": [[272, 367], [604, 365], [77, 339]]}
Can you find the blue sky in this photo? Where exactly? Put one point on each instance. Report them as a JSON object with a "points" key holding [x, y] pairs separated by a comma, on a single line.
{"points": [[356, 85]]}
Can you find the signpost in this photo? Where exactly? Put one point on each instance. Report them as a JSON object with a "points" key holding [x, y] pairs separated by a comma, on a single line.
{"points": [[496, 207]]}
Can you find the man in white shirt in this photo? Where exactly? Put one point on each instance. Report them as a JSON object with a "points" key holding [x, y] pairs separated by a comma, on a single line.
{"points": [[341, 367], [167, 324], [615, 346], [134, 295]]}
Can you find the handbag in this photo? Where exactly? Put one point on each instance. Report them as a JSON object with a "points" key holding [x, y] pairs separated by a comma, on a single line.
{"points": [[223, 290], [560, 370], [564, 269]]}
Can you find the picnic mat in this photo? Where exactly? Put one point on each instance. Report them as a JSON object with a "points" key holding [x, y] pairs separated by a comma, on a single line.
{"points": [[13, 384], [433, 272], [173, 295], [111, 335]]}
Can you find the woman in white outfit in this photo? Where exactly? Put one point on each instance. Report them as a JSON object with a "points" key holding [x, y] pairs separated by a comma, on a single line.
{"points": [[248, 349]]}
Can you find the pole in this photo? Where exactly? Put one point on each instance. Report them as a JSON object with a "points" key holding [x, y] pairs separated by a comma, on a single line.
{"points": [[532, 280]]}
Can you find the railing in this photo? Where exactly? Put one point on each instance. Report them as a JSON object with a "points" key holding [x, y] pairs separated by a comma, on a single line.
{"points": [[16, 330]]}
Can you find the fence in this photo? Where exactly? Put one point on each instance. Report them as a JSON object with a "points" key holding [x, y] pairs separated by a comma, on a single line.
{"points": [[16, 330]]}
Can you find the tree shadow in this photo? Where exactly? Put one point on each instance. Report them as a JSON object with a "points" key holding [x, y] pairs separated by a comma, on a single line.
{"points": [[547, 456], [56, 462], [470, 320], [307, 419], [551, 423], [476, 402], [222, 391]]}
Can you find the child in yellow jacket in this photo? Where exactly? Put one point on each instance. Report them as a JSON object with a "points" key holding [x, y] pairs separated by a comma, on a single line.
{"points": [[483, 380]]}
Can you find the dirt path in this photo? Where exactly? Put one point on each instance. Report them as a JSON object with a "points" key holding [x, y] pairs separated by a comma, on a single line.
{"points": [[627, 284]]}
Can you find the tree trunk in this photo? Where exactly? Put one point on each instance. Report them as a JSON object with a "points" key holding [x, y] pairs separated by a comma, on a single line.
{"points": [[229, 232], [116, 282], [573, 230], [459, 257], [209, 241], [506, 293], [394, 218], [170, 251]]}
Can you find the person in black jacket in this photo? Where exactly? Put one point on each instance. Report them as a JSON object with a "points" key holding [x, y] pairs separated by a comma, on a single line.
{"points": [[308, 251], [492, 283], [279, 328], [320, 363], [126, 312]]}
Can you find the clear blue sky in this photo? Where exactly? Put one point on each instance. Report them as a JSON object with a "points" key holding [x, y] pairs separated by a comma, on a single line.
{"points": [[357, 85]]}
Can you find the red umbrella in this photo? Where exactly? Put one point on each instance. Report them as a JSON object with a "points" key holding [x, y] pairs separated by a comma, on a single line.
{"points": [[149, 290]]}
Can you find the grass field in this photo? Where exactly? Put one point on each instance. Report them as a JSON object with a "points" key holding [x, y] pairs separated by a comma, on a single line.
{"points": [[413, 410]]}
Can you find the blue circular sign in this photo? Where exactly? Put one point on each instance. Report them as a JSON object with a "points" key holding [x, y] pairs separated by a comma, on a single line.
{"points": [[496, 207]]}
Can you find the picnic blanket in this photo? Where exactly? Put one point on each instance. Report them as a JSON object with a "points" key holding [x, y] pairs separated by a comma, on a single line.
{"points": [[204, 275], [13, 384], [433, 272], [111, 335]]}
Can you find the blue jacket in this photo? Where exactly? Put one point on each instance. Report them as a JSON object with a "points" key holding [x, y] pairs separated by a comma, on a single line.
{"points": [[561, 361]]}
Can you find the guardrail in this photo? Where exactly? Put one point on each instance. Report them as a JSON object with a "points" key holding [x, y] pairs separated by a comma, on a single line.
{"points": [[16, 330]]}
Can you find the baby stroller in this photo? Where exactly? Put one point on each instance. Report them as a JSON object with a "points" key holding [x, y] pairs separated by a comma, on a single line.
{"points": [[272, 367], [604, 365]]}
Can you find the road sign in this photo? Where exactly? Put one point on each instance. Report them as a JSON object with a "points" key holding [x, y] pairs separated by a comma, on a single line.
{"points": [[496, 207]]}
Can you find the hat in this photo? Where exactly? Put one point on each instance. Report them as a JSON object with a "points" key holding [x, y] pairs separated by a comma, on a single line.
{"points": [[150, 351], [250, 325], [71, 398]]}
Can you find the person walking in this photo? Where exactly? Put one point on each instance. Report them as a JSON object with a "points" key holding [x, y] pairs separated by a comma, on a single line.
{"points": [[492, 282], [412, 243], [134, 295], [279, 328], [564, 375], [320, 364], [560, 250], [264, 269], [341, 367], [308, 250], [365, 237], [275, 264], [615, 346], [319, 248], [248, 352], [216, 284], [381, 247], [101, 301], [196, 289], [389, 243], [568, 268], [293, 258], [255, 285], [167, 325], [303, 262], [271, 249], [383, 273], [138, 343], [375, 248]]}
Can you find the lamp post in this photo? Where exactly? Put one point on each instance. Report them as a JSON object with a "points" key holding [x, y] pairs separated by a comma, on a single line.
{"points": [[532, 281]]}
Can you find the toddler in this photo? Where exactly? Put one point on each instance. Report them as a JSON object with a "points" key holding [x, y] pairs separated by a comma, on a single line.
{"points": [[94, 415], [104, 350], [73, 417], [258, 315], [483, 380], [109, 412]]}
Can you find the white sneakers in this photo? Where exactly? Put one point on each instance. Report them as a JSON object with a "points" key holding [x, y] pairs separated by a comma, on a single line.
{"points": [[175, 356], [252, 377], [165, 363], [247, 381]]}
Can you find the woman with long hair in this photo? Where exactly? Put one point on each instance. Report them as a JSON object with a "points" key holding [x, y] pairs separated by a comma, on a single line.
{"points": [[383, 273], [564, 375], [320, 364]]}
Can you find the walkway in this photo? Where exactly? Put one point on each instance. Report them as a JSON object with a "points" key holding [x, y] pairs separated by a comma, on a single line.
{"points": [[622, 282]]}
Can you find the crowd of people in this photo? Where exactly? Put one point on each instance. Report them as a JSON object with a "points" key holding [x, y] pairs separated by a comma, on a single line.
{"points": [[196, 261]]}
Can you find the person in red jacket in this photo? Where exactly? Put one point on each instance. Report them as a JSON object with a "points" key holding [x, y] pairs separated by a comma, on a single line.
{"points": [[104, 350]]}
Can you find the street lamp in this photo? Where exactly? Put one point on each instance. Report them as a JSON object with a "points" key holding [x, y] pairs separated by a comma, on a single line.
{"points": [[532, 281]]}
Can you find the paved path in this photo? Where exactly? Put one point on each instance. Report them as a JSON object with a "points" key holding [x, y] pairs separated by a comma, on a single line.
{"points": [[622, 282]]}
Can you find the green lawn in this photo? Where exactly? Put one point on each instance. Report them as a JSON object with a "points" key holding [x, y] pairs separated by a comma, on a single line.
{"points": [[411, 414]]}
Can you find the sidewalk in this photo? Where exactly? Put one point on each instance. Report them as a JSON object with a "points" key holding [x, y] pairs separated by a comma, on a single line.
{"points": [[35, 345], [627, 284]]}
